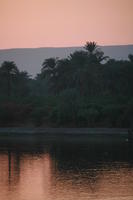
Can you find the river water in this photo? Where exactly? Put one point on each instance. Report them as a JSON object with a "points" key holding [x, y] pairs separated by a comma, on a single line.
{"points": [[69, 168]]}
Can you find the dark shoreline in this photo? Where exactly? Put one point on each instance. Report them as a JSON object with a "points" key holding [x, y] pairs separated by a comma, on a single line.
{"points": [[62, 131]]}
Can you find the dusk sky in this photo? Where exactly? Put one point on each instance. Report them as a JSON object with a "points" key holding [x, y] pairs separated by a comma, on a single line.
{"points": [[57, 23]]}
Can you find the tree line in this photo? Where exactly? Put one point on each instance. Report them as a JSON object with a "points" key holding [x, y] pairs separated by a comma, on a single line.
{"points": [[86, 89]]}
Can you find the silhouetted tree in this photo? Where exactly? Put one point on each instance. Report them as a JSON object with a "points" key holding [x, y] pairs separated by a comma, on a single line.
{"points": [[80, 90], [95, 53], [48, 66], [91, 47], [9, 72], [130, 56]]}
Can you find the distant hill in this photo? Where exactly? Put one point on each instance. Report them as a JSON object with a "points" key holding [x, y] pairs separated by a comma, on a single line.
{"points": [[31, 59]]}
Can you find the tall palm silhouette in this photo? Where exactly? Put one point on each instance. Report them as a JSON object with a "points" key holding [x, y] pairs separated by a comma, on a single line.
{"points": [[48, 66], [95, 53], [9, 71], [91, 47], [130, 57]]}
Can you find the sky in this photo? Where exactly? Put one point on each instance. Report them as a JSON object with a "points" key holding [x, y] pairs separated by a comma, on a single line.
{"points": [[61, 23]]}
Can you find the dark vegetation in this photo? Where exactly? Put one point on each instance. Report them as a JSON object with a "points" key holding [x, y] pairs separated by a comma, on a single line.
{"points": [[86, 89]]}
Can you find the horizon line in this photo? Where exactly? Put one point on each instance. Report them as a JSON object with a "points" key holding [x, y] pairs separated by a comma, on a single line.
{"points": [[60, 47]]}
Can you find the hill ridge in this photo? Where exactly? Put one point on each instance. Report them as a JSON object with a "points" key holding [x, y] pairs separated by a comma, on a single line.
{"points": [[31, 59]]}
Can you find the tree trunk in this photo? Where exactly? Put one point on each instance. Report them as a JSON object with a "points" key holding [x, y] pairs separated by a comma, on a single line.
{"points": [[8, 85]]}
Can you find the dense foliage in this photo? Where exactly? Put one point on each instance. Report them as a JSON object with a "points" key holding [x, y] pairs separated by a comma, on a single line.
{"points": [[86, 89]]}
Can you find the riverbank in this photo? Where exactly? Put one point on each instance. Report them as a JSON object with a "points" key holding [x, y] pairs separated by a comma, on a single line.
{"points": [[62, 131]]}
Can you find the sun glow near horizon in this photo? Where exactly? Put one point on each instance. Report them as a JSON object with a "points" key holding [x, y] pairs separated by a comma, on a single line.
{"points": [[58, 23]]}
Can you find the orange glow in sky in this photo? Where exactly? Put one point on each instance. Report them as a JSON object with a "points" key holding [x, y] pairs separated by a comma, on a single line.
{"points": [[50, 23]]}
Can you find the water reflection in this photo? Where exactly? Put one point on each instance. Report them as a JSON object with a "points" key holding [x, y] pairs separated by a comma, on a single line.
{"points": [[40, 169]]}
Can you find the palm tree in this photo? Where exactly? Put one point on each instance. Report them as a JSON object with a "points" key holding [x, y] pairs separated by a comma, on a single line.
{"points": [[130, 57], [8, 71], [91, 47], [62, 75], [48, 66], [95, 53], [78, 58]]}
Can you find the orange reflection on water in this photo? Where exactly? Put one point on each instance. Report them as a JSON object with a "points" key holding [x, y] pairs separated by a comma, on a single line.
{"points": [[107, 184], [35, 177], [38, 177]]}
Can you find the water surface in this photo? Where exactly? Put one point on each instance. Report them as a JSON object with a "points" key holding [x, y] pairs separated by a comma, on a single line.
{"points": [[72, 168]]}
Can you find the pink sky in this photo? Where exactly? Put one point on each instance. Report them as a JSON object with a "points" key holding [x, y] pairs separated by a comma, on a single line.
{"points": [[56, 23]]}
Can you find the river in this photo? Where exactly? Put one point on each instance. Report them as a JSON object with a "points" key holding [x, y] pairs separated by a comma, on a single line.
{"points": [[67, 168]]}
